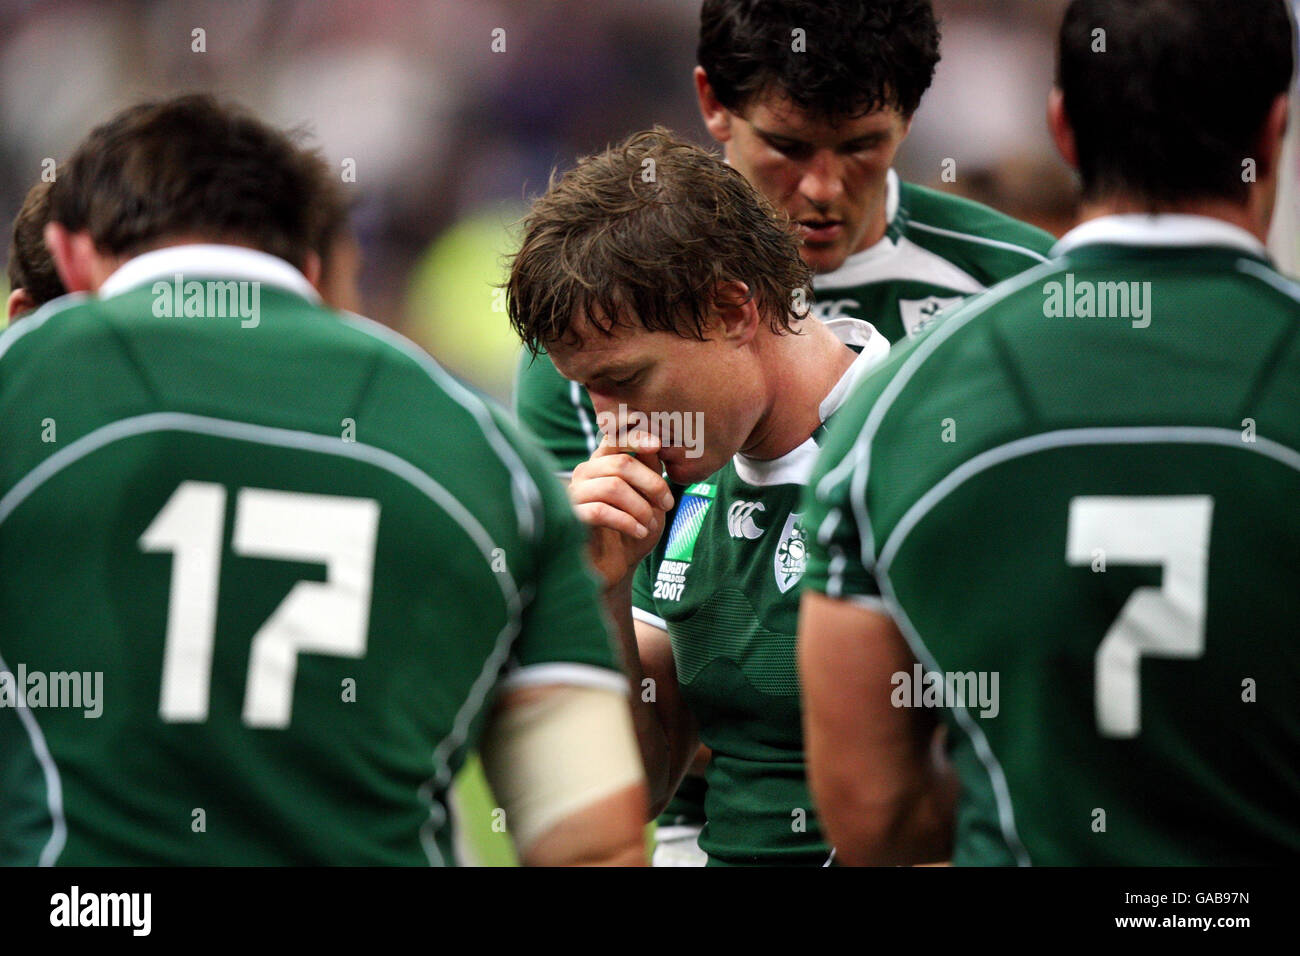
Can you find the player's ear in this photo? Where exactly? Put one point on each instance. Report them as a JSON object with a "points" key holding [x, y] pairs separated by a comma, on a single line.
{"points": [[735, 313], [311, 268], [20, 303], [1058, 124], [74, 257], [1268, 150], [717, 119]]}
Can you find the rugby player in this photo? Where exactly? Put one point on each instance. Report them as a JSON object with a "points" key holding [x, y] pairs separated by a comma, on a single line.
{"points": [[678, 301], [309, 570], [1063, 520], [811, 102]]}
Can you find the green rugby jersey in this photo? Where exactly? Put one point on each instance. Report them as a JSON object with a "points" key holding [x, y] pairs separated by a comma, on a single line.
{"points": [[1084, 482], [301, 556], [937, 249], [723, 583]]}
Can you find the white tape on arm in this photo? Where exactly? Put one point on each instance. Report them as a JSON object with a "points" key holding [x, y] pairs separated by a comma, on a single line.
{"points": [[549, 757]]}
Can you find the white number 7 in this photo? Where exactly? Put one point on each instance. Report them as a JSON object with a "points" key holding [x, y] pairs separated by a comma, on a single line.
{"points": [[1168, 621], [320, 617]]}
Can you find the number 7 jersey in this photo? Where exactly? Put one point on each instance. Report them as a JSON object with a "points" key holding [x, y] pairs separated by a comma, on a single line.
{"points": [[260, 578], [1084, 483]]}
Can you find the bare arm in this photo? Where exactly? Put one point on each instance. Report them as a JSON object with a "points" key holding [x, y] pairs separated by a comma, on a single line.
{"points": [[885, 793], [664, 726], [672, 716]]}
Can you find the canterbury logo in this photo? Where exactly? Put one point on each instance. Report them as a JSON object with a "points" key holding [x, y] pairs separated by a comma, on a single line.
{"points": [[740, 519]]}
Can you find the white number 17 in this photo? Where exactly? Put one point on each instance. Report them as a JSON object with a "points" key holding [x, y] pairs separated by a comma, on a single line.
{"points": [[1168, 621], [319, 617]]}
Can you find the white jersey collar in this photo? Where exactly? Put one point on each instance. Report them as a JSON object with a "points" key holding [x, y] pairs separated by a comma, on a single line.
{"points": [[1164, 229], [874, 351], [795, 467], [210, 261]]}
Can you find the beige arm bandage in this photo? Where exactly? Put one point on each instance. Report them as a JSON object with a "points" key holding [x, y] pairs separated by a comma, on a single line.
{"points": [[551, 756]]}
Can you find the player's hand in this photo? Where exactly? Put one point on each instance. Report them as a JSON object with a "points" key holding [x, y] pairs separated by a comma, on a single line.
{"points": [[621, 495]]}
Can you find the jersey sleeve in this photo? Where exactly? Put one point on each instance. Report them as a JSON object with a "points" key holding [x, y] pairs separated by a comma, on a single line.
{"points": [[837, 564], [555, 411], [643, 603], [564, 637]]}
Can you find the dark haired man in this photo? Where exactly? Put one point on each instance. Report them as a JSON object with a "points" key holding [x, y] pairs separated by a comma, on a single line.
{"points": [[674, 301], [1064, 521], [33, 280], [291, 568], [811, 102]]}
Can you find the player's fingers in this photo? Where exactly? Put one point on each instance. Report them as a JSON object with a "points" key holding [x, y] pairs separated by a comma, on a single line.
{"points": [[625, 443], [646, 478], [614, 491], [645, 447], [599, 514]]}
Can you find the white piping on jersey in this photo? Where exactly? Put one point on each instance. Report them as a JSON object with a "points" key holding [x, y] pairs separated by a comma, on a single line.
{"points": [[992, 766], [1073, 437], [380, 458], [796, 467], [868, 602], [588, 431], [1278, 281], [527, 496], [30, 323], [887, 261], [854, 465], [569, 673], [1065, 438], [210, 260], [978, 240], [1165, 229], [53, 783], [645, 617]]}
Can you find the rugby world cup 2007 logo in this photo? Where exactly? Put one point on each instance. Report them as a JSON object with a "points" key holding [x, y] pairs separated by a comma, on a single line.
{"points": [[670, 580]]}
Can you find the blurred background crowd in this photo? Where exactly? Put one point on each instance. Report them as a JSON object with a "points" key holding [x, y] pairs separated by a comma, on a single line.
{"points": [[449, 137]]}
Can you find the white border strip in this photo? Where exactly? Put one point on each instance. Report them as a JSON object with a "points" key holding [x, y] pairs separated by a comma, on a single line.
{"points": [[567, 673], [646, 617], [979, 240], [53, 783]]}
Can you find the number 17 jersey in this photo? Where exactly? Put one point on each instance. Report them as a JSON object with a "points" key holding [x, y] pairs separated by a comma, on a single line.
{"points": [[261, 577]]}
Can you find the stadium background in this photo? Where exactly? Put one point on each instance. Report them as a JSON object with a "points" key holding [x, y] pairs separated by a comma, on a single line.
{"points": [[449, 138]]}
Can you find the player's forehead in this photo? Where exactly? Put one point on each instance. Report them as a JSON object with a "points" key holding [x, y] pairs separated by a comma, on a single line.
{"points": [[586, 352], [773, 112]]}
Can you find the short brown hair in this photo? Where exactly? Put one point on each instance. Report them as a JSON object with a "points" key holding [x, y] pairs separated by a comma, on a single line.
{"points": [[642, 234], [190, 165], [31, 267]]}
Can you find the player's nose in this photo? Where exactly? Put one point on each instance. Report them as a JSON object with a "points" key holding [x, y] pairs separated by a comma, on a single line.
{"points": [[823, 179]]}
